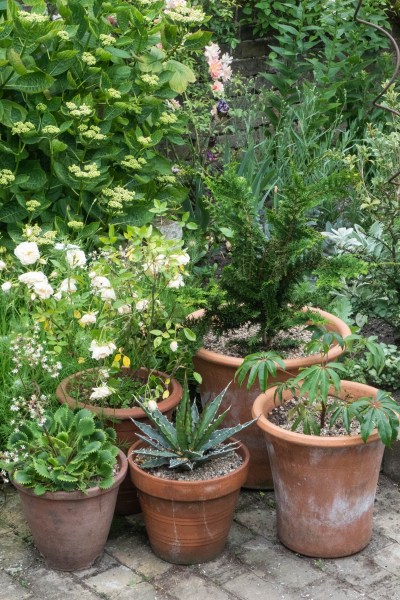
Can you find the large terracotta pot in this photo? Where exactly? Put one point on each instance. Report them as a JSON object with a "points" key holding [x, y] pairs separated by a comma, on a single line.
{"points": [[70, 529], [121, 420], [218, 370], [324, 486], [188, 522]]}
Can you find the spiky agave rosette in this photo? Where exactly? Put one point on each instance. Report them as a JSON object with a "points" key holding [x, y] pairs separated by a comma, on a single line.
{"points": [[191, 441]]}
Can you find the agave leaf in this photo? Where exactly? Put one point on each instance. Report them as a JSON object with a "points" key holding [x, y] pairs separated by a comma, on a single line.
{"points": [[183, 420], [207, 417], [219, 436], [177, 463], [151, 433], [155, 453], [155, 462]]}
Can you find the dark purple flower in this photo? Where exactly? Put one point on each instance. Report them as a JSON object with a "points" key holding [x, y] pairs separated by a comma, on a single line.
{"points": [[222, 107]]}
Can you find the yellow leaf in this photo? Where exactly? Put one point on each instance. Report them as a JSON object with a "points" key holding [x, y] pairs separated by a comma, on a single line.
{"points": [[167, 381], [117, 358], [115, 365], [165, 395], [77, 314], [81, 360], [126, 361]]}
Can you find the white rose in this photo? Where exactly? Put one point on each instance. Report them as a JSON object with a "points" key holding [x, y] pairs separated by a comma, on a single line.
{"points": [[100, 351], [43, 290], [100, 282], [174, 346], [68, 285], [2, 265], [57, 295], [181, 259], [152, 405], [27, 253], [6, 287], [100, 392], [107, 294], [59, 246], [32, 277], [88, 319], [142, 305], [124, 310], [75, 257], [176, 282]]}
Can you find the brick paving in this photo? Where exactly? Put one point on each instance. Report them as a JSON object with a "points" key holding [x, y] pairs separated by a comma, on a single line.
{"points": [[254, 565]]}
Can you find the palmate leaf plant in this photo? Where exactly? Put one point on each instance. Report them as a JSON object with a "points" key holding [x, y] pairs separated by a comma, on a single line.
{"points": [[191, 441], [62, 451], [316, 390]]}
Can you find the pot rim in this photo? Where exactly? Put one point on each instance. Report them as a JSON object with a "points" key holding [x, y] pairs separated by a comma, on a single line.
{"points": [[122, 414], [264, 403], [77, 495], [201, 489], [291, 363]]}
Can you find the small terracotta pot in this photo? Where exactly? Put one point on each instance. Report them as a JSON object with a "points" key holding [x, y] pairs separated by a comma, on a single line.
{"points": [[121, 420], [218, 370], [188, 522], [324, 486], [70, 529]]}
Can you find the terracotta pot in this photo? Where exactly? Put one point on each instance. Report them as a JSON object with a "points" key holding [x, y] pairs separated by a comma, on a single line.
{"points": [[324, 486], [70, 529], [188, 522], [218, 370], [121, 420]]}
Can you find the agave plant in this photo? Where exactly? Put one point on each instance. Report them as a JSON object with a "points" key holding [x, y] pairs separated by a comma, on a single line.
{"points": [[192, 440], [61, 452]]}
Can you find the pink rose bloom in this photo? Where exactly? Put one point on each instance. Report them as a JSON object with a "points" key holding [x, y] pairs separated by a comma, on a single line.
{"points": [[217, 87], [215, 69]]}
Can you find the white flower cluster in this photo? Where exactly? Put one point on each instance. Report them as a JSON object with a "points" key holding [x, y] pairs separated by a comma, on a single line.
{"points": [[88, 59], [83, 110], [117, 197], [50, 130], [32, 17], [144, 141], [33, 353], [178, 10], [6, 177], [20, 127], [33, 233], [133, 163], [151, 80], [102, 287], [92, 133], [89, 171], [106, 39], [168, 118], [113, 93], [100, 351], [173, 104], [63, 35], [38, 283], [32, 205]]}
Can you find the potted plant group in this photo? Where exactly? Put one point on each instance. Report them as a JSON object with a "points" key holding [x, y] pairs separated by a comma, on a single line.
{"points": [[325, 438], [260, 294], [119, 312], [188, 477], [67, 471]]}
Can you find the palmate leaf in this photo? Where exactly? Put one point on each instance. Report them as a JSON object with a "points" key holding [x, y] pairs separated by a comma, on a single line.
{"points": [[261, 365]]}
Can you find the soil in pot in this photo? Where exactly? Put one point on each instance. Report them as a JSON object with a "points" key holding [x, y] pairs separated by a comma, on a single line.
{"points": [[121, 420], [187, 521], [324, 486], [218, 370], [70, 529]]}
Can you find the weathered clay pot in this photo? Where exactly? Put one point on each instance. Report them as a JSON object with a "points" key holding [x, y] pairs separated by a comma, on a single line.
{"points": [[324, 486], [218, 370], [188, 522], [70, 529], [121, 420]]}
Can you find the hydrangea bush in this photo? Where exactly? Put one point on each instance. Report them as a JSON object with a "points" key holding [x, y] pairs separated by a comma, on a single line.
{"points": [[89, 105]]}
